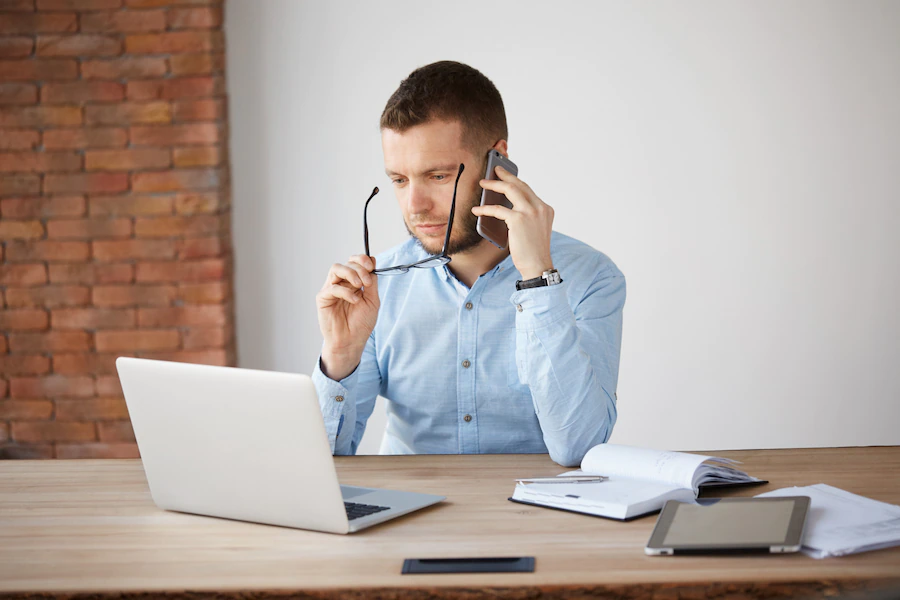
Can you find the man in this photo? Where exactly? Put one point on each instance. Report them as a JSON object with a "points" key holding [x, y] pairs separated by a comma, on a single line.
{"points": [[468, 362]]}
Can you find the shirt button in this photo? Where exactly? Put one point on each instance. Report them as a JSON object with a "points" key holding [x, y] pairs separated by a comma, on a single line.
{"points": [[338, 398], [466, 364], [519, 307], [467, 418], [468, 306]]}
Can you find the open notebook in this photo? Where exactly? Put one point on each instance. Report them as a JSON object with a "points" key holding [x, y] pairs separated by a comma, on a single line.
{"points": [[640, 481]]}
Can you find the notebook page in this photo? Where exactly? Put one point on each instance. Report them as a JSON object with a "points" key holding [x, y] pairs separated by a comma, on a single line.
{"points": [[672, 468]]}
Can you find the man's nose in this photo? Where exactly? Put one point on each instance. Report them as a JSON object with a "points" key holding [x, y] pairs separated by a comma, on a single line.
{"points": [[418, 201]]}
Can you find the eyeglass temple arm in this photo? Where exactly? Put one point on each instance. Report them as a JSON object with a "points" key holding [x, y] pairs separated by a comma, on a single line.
{"points": [[462, 168], [366, 220]]}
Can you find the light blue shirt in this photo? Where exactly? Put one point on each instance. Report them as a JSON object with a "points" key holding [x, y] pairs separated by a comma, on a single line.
{"points": [[488, 369]]}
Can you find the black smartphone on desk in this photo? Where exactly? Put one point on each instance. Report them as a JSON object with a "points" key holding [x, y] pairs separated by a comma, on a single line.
{"points": [[492, 229]]}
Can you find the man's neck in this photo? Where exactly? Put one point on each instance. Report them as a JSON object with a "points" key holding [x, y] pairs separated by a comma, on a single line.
{"points": [[470, 265]]}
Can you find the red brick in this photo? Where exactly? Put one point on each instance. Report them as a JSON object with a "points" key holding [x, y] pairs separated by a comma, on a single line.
{"points": [[51, 341], [45, 69], [176, 226], [128, 112], [82, 91], [176, 271], [29, 24], [51, 386], [97, 450], [4, 347], [182, 316], [131, 21], [16, 46], [213, 292], [172, 89], [108, 385], [25, 5], [98, 137], [91, 409], [198, 110], [157, 3], [39, 162], [176, 180], [178, 135], [24, 319], [195, 203], [114, 341], [20, 184], [20, 230], [92, 318], [203, 247], [40, 116], [201, 357], [26, 451], [133, 295], [23, 275], [24, 364], [91, 183], [89, 273], [124, 68], [85, 364], [79, 45], [196, 64], [116, 431], [42, 206], [79, 5], [118, 250], [17, 93], [54, 431], [173, 43], [25, 410], [20, 251], [4, 436], [3, 388], [88, 228], [198, 156], [131, 205], [202, 338], [48, 296], [19, 139], [127, 160], [195, 18]]}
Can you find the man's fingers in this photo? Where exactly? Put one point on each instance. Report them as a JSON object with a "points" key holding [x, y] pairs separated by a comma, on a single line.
{"points": [[339, 273], [364, 274], [493, 210], [368, 262], [344, 293]]}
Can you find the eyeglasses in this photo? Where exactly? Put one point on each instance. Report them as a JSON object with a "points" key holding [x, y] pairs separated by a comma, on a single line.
{"points": [[428, 262]]}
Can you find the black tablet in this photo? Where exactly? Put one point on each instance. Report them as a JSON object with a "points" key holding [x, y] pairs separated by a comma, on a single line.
{"points": [[729, 525]]}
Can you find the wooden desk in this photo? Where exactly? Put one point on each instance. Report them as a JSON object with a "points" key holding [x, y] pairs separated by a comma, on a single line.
{"points": [[70, 528]]}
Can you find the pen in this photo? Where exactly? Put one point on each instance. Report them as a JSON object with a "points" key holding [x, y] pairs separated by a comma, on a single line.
{"points": [[564, 479]]}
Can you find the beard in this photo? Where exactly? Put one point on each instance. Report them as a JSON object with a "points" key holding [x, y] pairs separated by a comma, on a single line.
{"points": [[464, 236]]}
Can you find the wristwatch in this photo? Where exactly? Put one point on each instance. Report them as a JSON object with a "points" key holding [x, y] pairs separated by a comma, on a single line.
{"points": [[550, 277]]}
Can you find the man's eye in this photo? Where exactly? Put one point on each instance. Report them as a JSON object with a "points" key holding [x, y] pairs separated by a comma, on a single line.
{"points": [[440, 177], [397, 181]]}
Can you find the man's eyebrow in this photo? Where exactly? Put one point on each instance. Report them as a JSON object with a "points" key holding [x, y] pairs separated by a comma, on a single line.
{"points": [[437, 169]]}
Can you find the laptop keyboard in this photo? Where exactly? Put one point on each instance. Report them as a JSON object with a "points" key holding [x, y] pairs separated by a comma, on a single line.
{"points": [[355, 511]]}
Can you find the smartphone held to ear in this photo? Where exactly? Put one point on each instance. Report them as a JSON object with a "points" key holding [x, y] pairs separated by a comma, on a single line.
{"points": [[490, 228]]}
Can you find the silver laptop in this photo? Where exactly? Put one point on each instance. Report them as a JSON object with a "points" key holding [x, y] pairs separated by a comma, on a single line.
{"points": [[247, 445]]}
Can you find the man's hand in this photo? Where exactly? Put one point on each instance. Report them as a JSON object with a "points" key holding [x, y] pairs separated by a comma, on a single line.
{"points": [[348, 309], [530, 223]]}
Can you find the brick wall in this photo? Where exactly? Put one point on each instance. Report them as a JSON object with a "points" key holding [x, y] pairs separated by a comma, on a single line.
{"points": [[114, 211]]}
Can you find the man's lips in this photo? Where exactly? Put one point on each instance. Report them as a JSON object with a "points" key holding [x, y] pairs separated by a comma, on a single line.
{"points": [[430, 227]]}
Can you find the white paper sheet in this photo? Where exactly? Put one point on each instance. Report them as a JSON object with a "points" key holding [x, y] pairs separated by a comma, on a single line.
{"points": [[841, 523]]}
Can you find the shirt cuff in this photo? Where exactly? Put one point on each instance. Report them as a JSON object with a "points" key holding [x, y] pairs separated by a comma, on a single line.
{"points": [[333, 395], [540, 306]]}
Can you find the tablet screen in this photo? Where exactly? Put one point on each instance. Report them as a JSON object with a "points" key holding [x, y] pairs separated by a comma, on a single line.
{"points": [[725, 523]]}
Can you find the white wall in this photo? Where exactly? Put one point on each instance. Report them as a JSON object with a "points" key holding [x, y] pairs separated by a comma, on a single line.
{"points": [[739, 161]]}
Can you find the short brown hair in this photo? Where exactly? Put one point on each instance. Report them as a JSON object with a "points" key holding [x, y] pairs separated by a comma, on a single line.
{"points": [[451, 91]]}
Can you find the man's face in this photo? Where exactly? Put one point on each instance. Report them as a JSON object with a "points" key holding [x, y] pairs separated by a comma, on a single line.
{"points": [[422, 163]]}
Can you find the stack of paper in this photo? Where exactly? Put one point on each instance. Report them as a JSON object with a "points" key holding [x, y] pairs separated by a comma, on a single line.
{"points": [[842, 523]]}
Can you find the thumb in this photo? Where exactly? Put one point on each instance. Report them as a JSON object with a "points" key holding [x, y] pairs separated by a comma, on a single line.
{"points": [[370, 292]]}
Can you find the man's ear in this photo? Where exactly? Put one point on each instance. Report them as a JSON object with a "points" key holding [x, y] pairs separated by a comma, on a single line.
{"points": [[503, 147]]}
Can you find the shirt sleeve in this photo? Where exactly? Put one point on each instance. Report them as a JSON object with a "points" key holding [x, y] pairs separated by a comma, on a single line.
{"points": [[569, 358], [347, 404]]}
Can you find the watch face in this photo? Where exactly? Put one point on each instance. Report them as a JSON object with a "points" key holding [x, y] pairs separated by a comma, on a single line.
{"points": [[552, 277]]}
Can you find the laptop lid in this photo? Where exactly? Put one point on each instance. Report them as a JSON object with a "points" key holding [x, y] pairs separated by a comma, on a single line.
{"points": [[233, 443]]}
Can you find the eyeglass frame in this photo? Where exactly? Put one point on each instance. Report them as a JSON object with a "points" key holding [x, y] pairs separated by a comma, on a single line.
{"points": [[442, 257]]}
